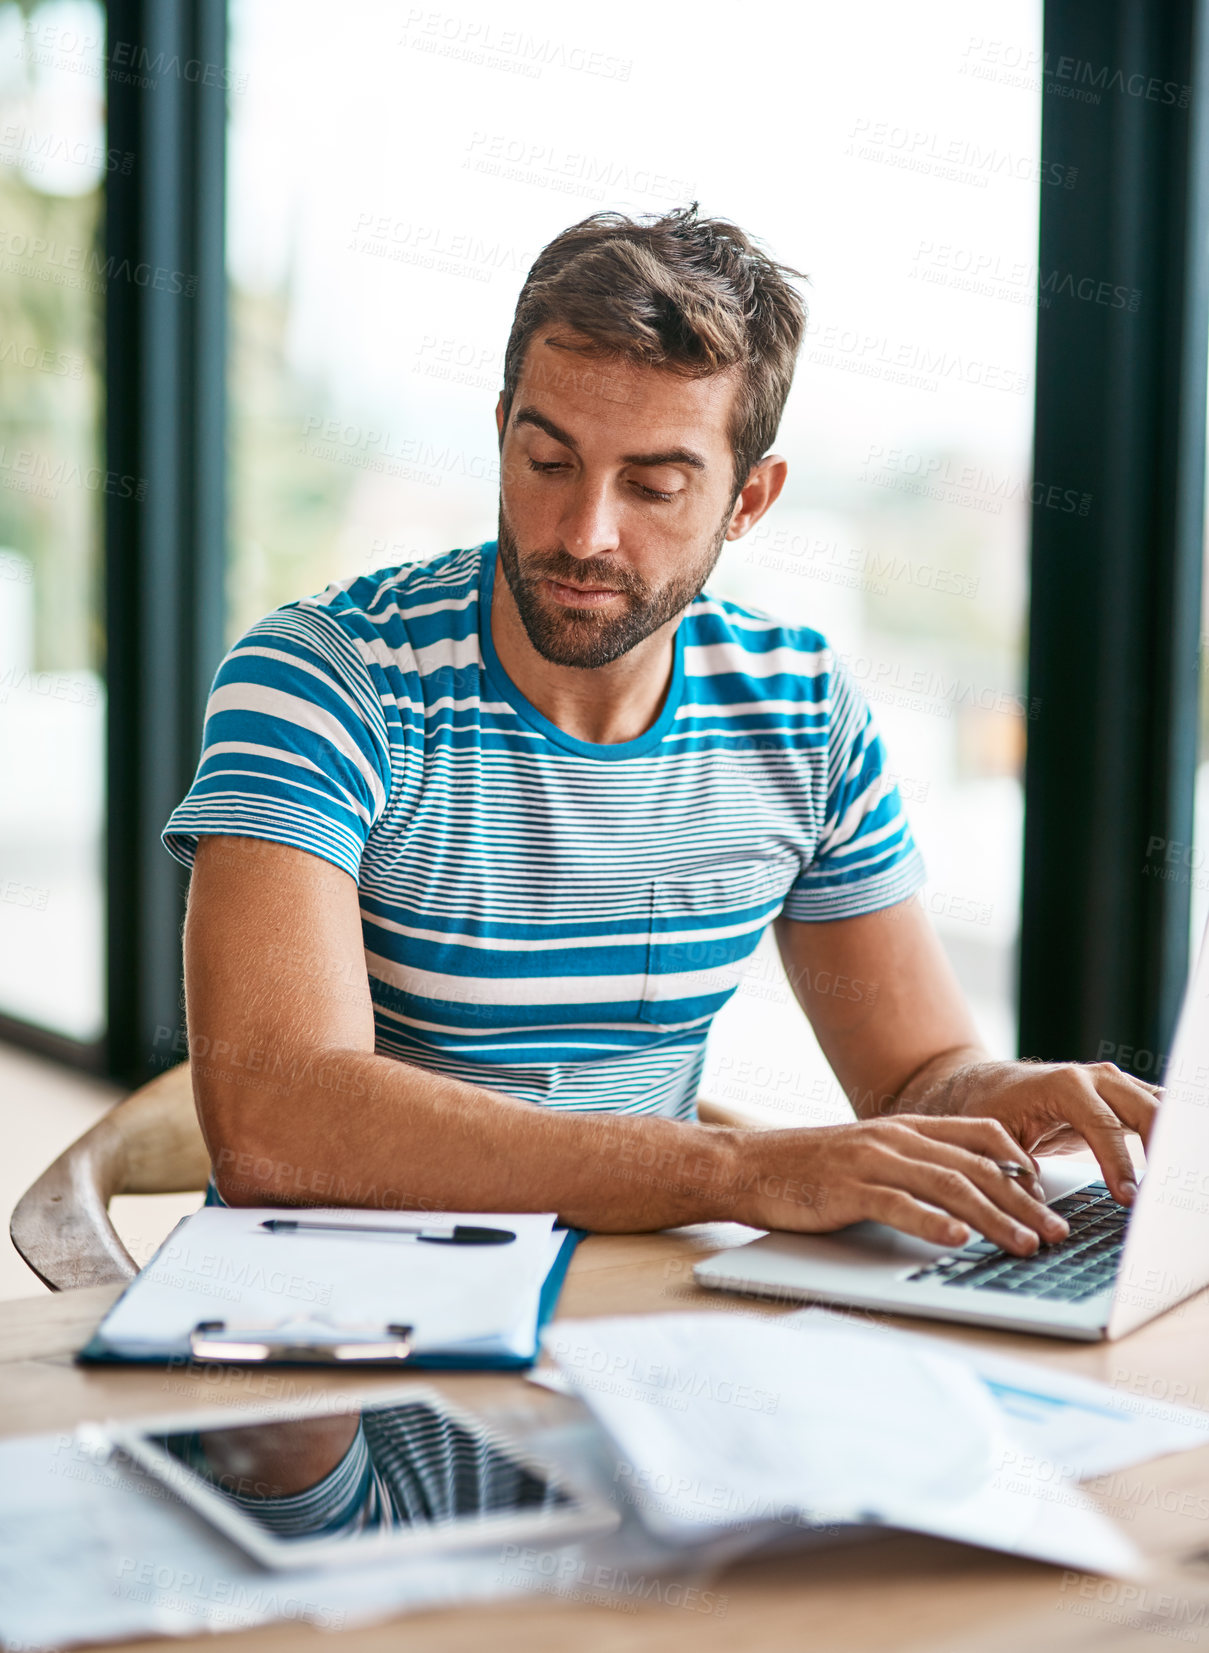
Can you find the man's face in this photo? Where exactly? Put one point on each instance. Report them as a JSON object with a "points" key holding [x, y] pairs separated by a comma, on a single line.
{"points": [[615, 500]]}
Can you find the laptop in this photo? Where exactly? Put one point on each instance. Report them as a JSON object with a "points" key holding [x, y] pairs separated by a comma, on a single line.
{"points": [[1118, 1268]]}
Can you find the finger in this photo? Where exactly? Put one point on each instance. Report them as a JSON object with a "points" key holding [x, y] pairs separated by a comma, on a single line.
{"points": [[1128, 1098], [1105, 1136], [989, 1141], [893, 1206], [1084, 1110], [980, 1136], [1058, 1139], [1013, 1197], [950, 1189]]}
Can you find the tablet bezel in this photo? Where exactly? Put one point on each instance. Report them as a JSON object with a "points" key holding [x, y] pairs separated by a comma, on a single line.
{"points": [[587, 1515]]}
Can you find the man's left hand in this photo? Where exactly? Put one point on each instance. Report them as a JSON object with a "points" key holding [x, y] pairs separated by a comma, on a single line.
{"points": [[1062, 1108], [901, 1039]]}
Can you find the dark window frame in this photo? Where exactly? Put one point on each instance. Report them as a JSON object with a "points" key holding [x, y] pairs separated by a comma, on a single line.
{"points": [[1114, 614], [166, 422]]}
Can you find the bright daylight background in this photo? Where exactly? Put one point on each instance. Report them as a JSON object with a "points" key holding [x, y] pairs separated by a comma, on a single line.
{"points": [[379, 233], [393, 171]]}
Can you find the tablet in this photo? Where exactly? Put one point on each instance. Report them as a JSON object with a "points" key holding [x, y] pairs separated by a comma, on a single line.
{"points": [[329, 1482]]}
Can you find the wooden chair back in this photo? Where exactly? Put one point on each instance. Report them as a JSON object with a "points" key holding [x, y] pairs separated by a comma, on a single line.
{"points": [[150, 1143]]}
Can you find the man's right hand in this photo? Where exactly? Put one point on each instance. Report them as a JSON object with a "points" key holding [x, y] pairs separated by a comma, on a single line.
{"points": [[896, 1171]]}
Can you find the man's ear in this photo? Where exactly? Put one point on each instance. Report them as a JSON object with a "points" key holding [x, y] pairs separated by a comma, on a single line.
{"points": [[758, 494], [499, 416]]}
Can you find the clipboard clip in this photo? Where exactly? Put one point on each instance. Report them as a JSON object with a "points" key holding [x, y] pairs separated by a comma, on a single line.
{"points": [[300, 1342]]}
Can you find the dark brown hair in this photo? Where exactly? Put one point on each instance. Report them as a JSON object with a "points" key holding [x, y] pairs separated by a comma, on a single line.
{"points": [[691, 294]]}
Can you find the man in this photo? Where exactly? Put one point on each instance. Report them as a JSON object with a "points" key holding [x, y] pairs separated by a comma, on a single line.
{"points": [[481, 845]]}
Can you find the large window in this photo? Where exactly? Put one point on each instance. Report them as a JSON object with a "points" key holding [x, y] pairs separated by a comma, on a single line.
{"points": [[53, 160], [375, 256]]}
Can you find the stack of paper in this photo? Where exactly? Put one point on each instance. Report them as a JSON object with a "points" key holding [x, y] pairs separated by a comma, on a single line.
{"points": [[1072, 1428], [732, 1420]]}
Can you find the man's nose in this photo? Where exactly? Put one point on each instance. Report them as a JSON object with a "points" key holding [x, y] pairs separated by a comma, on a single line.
{"points": [[589, 524]]}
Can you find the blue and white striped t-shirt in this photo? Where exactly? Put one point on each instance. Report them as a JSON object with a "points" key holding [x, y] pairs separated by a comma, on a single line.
{"points": [[545, 916]]}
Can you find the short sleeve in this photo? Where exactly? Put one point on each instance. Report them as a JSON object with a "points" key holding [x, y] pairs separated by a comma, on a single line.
{"points": [[866, 857], [295, 746], [343, 1501]]}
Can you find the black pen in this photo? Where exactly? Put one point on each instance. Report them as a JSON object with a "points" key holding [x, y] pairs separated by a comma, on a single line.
{"points": [[459, 1234]]}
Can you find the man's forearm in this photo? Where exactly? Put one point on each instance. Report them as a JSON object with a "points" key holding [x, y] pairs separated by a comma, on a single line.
{"points": [[367, 1130], [940, 1086]]}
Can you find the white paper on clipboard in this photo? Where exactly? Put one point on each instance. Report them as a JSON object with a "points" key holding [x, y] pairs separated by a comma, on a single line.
{"points": [[221, 1264]]}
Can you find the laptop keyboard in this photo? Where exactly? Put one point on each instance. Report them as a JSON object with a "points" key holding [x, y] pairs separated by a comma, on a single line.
{"points": [[1074, 1268]]}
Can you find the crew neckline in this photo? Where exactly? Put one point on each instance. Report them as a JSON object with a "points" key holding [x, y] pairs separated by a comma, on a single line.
{"points": [[497, 676]]}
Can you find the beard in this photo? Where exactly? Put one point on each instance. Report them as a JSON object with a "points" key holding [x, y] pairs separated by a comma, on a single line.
{"points": [[588, 637]]}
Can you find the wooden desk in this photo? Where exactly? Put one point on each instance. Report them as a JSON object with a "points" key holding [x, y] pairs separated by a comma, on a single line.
{"points": [[899, 1592]]}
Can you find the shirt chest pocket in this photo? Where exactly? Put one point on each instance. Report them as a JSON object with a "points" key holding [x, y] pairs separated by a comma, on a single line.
{"points": [[703, 928]]}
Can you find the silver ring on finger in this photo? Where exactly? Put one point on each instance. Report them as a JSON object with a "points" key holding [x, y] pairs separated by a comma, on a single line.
{"points": [[1013, 1168]]}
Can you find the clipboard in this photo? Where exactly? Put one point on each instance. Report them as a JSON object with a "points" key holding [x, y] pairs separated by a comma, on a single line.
{"points": [[317, 1340], [300, 1343]]}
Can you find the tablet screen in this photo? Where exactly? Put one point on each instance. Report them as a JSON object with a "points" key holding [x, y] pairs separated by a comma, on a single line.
{"points": [[348, 1478]]}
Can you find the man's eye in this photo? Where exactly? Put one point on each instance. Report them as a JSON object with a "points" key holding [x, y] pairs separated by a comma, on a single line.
{"points": [[546, 467]]}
